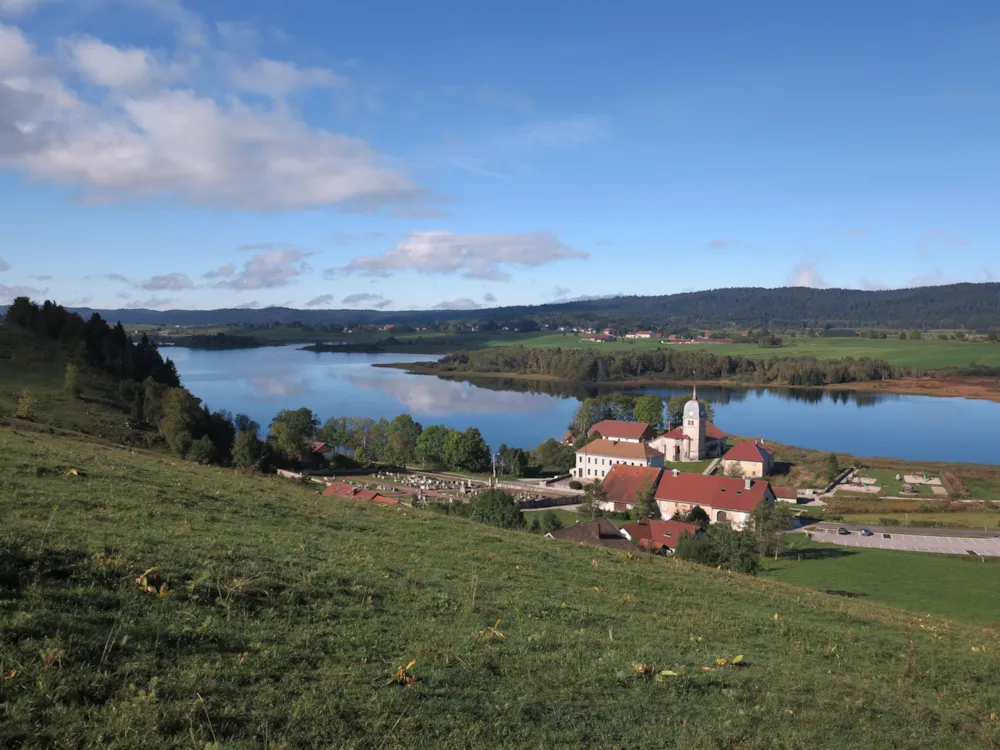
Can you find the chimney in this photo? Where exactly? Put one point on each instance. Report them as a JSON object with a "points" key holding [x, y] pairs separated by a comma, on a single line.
{"points": [[675, 472], [747, 484]]}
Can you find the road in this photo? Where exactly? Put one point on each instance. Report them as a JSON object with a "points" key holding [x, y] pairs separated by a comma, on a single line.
{"points": [[944, 541]]}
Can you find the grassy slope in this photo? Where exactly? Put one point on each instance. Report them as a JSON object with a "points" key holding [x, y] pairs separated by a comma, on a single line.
{"points": [[288, 613], [961, 587]]}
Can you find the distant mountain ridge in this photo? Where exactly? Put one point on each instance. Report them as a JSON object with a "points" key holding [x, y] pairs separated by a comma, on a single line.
{"points": [[971, 306]]}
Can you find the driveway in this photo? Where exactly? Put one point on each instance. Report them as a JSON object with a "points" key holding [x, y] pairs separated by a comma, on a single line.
{"points": [[913, 540]]}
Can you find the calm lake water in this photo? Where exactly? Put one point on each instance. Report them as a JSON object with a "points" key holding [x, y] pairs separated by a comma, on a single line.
{"points": [[261, 382]]}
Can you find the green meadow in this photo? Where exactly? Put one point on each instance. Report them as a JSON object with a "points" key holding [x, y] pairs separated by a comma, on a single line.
{"points": [[150, 602]]}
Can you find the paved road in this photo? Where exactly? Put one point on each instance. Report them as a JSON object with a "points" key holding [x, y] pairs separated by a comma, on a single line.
{"points": [[912, 540]]}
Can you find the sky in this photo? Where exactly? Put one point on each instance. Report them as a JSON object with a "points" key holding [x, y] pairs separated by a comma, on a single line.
{"points": [[390, 154]]}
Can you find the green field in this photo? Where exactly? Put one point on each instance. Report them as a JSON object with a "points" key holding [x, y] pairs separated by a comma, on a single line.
{"points": [[959, 588], [284, 620], [959, 520], [923, 354]]}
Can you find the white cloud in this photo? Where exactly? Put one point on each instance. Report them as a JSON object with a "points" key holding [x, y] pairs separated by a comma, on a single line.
{"points": [[268, 270], [173, 282], [560, 292], [117, 277], [476, 256], [364, 299], [805, 274], [110, 66], [463, 303], [17, 7], [221, 272], [489, 298], [8, 293], [323, 300], [276, 78], [151, 303], [4, 265], [936, 238], [247, 305], [15, 51], [200, 147], [123, 295]]}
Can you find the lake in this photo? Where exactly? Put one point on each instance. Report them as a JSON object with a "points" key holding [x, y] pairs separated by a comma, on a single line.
{"points": [[261, 382]]}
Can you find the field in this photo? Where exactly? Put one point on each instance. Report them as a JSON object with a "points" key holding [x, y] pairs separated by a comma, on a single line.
{"points": [[270, 616], [974, 519], [923, 354], [960, 588]]}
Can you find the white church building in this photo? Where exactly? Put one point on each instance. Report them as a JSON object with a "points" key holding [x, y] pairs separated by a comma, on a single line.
{"points": [[696, 439]]}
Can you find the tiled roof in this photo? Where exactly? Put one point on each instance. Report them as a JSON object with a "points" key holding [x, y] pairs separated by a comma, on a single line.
{"points": [[613, 449], [623, 483], [600, 531], [350, 492], [710, 431], [722, 493], [747, 451], [655, 533], [620, 430], [568, 437], [786, 492]]}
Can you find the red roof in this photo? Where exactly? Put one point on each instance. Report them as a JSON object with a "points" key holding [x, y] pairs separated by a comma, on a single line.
{"points": [[568, 437], [350, 492], [723, 493], [320, 447], [786, 492], [623, 482], [747, 451], [615, 429], [654, 533], [710, 431]]}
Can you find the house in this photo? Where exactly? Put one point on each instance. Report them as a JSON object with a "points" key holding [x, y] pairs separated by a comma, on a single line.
{"points": [[656, 535], [595, 459], [599, 531], [567, 439], [642, 335], [324, 450], [628, 432], [748, 459], [724, 499], [695, 439], [786, 494], [600, 338], [350, 492], [608, 332], [624, 483]]}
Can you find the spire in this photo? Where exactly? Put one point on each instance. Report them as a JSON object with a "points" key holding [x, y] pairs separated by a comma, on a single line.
{"points": [[694, 393]]}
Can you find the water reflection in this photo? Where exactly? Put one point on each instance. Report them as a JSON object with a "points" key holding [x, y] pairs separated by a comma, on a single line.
{"points": [[260, 382]]}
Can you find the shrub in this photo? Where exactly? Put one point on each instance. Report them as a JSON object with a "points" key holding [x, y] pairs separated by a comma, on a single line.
{"points": [[888, 522], [575, 485], [25, 408]]}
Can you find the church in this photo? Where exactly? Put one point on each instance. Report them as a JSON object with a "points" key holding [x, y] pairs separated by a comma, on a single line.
{"points": [[696, 439]]}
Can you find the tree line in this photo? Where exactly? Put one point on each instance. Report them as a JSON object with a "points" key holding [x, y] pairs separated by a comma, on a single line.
{"points": [[589, 366]]}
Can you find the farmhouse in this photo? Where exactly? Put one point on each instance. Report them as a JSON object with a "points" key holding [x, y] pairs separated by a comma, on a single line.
{"points": [[600, 338], [595, 460], [724, 499], [696, 439], [628, 432], [656, 535], [748, 459], [624, 483]]}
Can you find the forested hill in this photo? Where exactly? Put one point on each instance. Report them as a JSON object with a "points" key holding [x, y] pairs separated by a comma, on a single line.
{"points": [[970, 306]]}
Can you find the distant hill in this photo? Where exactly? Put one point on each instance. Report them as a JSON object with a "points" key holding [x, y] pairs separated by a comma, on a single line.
{"points": [[971, 306]]}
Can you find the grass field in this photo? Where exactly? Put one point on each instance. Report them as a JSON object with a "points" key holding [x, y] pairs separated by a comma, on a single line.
{"points": [[923, 354], [286, 619], [961, 588]]}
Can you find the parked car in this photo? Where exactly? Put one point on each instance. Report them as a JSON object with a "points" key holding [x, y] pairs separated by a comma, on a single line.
{"points": [[866, 532], [842, 531]]}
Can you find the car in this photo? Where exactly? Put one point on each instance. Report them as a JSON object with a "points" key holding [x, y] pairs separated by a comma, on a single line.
{"points": [[842, 531], [866, 532]]}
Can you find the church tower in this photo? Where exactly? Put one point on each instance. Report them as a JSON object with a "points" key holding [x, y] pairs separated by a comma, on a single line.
{"points": [[695, 419]]}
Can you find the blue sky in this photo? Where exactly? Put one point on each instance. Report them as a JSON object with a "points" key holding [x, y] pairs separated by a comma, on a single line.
{"points": [[406, 155]]}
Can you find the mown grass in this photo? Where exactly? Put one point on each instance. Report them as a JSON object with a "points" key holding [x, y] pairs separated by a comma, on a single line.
{"points": [[962, 588], [963, 520], [286, 615]]}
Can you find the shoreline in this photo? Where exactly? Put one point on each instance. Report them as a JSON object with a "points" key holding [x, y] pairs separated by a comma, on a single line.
{"points": [[978, 388]]}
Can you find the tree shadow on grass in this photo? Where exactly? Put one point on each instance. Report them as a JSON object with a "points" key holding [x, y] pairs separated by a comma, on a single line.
{"points": [[845, 594], [817, 553], [781, 469]]}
